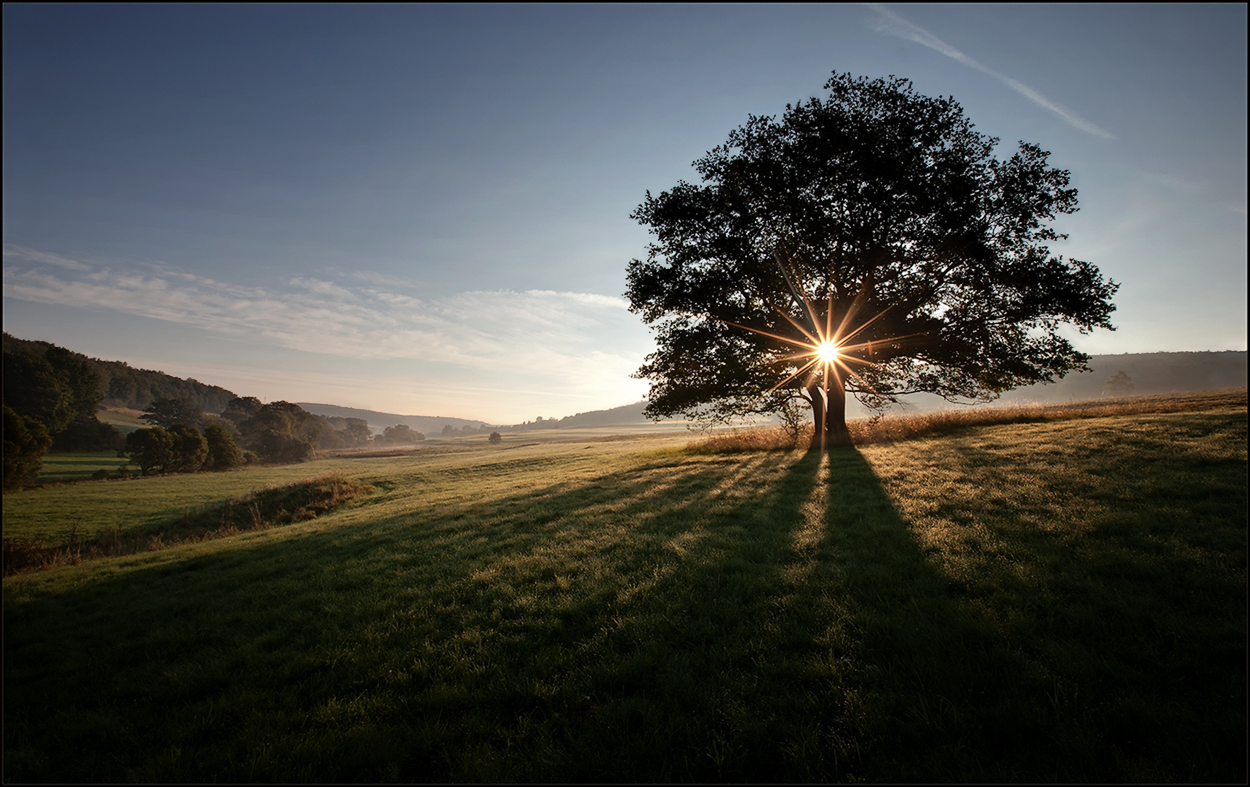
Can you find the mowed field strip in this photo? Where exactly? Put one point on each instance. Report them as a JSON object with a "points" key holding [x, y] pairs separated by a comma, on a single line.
{"points": [[1052, 601]]}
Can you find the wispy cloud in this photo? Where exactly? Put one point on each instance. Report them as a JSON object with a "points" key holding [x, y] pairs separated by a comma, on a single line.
{"points": [[538, 339], [16, 252], [890, 23]]}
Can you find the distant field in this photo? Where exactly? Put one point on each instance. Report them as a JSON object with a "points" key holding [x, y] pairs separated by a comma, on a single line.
{"points": [[77, 466], [1060, 600], [125, 421]]}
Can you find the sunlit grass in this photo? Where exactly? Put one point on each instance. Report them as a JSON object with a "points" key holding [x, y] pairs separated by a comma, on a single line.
{"points": [[124, 421], [1051, 601], [79, 466]]}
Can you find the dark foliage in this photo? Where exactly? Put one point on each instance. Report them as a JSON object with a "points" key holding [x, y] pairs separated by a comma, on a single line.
{"points": [[241, 409], [223, 453], [34, 389], [25, 441], [190, 449], [278, 432], [120, 385], [88, 436], [151, 449], [171, 412], [59, 391]]}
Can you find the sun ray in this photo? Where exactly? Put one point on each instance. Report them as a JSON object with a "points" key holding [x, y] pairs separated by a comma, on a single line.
{"points": [[826, 354], [804, 368], [813, 337]]}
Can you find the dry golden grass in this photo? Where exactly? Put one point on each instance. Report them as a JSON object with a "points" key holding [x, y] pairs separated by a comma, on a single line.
{"points": [[897, 428]]}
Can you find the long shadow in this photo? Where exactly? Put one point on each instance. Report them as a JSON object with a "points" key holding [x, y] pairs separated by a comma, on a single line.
{"points": [[1062, 657], [742, 618], [280, 624]]}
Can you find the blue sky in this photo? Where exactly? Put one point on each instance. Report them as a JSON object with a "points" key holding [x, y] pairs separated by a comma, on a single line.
{"points": [[424, 209]]}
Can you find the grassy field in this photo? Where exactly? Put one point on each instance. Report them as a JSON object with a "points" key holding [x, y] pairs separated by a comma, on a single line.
{"points": [[1060, 600], [77, 466], [124, 421]]}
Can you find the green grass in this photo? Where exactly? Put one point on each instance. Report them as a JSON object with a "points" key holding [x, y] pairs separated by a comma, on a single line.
{"points": [[275, 505], [1053, 601], [125, 421], [77, 466]]}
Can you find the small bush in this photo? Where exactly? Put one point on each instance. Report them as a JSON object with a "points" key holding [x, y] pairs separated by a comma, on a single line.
{"points": [[101, 474]]}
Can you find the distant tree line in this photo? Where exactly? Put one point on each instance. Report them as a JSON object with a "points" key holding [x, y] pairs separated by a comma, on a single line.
{"points": [[185, 439], [626, 414], [1143, 374]]}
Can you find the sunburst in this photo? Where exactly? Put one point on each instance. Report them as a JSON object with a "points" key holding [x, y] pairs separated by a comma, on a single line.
{"points": [[824, 352]]}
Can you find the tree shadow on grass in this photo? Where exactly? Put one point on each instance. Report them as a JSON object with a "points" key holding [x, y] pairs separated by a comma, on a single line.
{"points": [[735, 618]]}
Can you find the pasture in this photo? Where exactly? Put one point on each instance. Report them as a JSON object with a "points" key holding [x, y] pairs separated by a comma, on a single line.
{"points": [[1055, 600]]}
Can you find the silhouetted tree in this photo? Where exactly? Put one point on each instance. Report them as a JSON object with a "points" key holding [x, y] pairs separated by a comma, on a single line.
{"points": [[495, 437], [867, 243]]}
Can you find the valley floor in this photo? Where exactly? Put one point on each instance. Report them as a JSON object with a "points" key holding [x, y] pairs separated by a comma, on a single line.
{"points": [[1060, 600]]}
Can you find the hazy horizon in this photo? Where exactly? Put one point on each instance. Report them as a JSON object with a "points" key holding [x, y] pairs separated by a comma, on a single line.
{"points": [[424, 209]]}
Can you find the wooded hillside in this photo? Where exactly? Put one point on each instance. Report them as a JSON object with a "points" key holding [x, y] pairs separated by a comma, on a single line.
{"points": [[121, 385]]}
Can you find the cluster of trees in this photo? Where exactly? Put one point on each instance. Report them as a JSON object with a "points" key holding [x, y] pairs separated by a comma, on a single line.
{"points": [[400, 434], [278, 432], [273, 433], [286, 432], [182, 439], [51, 396], [182, 449], [50, 401]]}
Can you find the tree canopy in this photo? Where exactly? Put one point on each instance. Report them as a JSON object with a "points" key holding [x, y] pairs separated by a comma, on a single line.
{"points": [[172, 412], [866, 243], [53, 395]]}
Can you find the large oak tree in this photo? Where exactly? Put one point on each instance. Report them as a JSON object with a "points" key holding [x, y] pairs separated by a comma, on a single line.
{"points": [[867, 243]]}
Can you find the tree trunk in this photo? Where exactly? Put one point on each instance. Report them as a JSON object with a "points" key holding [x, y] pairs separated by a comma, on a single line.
{"points": [[818, 417], [836, 432]]}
